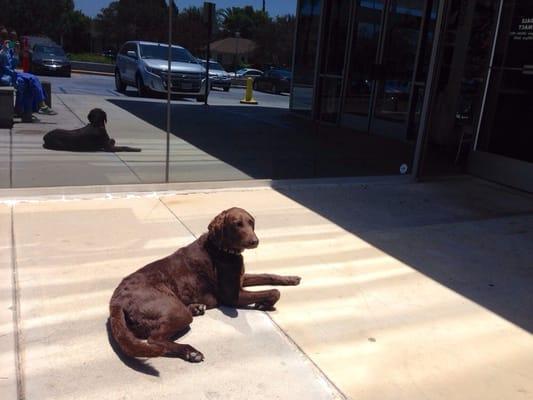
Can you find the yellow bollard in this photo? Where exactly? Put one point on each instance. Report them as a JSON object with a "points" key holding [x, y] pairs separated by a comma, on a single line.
{"points": [[249, 95]]}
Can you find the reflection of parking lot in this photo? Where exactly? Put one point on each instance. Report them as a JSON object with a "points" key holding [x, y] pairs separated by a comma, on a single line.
{"points": [[98, 85]]}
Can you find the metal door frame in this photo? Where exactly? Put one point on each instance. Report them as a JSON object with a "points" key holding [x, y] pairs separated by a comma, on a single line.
{"points": [[489, 76], [429, 94], [378, 61], [317, 87]]}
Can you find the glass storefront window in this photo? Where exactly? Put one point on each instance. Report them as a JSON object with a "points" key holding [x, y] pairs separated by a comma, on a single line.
{"points": [[362, 63], [461, 75], [305, 54], [508, 117]]}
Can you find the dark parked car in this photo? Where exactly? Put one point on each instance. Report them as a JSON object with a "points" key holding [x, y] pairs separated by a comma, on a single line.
{"points": [[247, 72], [49, 58], [274, 80]]}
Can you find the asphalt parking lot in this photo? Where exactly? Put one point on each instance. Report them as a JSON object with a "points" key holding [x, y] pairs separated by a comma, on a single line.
{"points": [[98, 85]]}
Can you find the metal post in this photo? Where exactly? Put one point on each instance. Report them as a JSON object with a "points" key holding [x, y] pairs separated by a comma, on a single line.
{"points": [[235, 58], [209, 28], [489, 74], [169, 82], [429, 94]]}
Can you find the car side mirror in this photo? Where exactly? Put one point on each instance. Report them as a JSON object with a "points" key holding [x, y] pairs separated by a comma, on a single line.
{"points": [[131, 54]]}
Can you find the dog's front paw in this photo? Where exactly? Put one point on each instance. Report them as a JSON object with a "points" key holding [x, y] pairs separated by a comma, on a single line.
{"points": [[197, 309], [293, 280], [264, 306], [192, 355]]}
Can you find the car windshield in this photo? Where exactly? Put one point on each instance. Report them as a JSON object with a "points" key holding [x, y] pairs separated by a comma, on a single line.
{"points": [[215, 65], [160, 52], [49, 50]]}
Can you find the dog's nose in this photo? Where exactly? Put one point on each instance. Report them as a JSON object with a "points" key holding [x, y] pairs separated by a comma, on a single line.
{"points": [[254, 242]]}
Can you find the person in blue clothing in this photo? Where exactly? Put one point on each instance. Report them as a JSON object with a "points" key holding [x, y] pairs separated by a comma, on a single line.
{"points": [[30, 94]]}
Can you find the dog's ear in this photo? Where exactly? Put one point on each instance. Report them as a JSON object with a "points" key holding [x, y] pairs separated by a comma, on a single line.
{"points": [[216, 228], [91, 116]]}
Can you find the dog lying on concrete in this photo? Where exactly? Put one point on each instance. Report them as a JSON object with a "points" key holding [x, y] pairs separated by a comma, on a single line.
{"points": [[160, 299], [92, 137]]}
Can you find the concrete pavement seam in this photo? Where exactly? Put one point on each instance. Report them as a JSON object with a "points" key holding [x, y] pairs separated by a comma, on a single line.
{"points": [[19, 359], [175, 216], [70, 109], [315, 365]]}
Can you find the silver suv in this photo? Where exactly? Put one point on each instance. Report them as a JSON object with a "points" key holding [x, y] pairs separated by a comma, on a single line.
{"points": [[144, 65]]}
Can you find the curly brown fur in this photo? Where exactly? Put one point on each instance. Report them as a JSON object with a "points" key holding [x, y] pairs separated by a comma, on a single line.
{"points": [[154, 303]]}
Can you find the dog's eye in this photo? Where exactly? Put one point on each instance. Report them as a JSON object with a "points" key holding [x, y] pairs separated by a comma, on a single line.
{"points": [[239, 224]]}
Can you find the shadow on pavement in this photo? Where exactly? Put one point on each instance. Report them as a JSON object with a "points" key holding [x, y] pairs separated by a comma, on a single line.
{"points": [[229, 311], [471, 236], [273, 143]]}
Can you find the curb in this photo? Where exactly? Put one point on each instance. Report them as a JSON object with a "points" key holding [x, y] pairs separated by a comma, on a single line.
{"points": [[134, 190], [85, 72]]}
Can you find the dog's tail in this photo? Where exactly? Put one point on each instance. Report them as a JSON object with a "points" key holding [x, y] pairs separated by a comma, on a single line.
{"points": [[130, 345], [117, 149]]}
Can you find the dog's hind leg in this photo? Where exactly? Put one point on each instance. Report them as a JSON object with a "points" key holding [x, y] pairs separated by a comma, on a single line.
{"points": [[269, 279], [174, 319], [263, 299]]}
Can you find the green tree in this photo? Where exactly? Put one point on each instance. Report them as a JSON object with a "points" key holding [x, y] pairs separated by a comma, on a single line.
{"points": [[274, 37], [190, 30], [56, 19], [244, 20], [125, 20]]}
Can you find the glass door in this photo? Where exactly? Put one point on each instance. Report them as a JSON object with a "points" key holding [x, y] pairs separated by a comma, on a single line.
{"points": [[362, 67], [336, 17], [396, 62], [386, 69]]}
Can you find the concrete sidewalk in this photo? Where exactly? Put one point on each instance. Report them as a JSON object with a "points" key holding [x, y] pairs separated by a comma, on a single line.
{"points": [[409, 292]]}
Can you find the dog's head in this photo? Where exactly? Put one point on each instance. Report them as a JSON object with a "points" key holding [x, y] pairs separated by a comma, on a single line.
{"points": [[97, 117], [233, 231]]}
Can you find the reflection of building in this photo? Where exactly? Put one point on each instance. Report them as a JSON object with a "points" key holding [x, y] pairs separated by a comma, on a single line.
{"points": [[230, 51], [441, 84]]}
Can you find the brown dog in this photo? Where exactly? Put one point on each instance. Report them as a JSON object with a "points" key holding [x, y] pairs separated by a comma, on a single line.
{"points": [[92, 137], [160, 299]]}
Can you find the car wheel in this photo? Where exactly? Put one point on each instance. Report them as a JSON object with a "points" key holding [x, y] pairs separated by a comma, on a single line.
{"points": [[142, 90], [200, 98], [119, 84]]}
